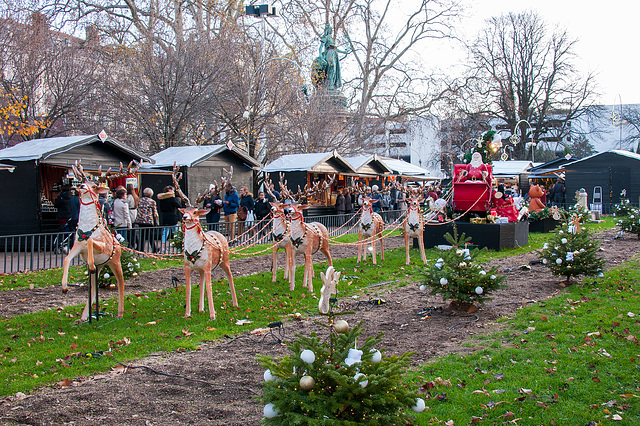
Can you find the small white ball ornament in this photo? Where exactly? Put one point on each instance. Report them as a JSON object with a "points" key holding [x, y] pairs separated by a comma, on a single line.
{"points": [[493, 277], [564, 241], [270, 411], [106, 276], [423, 287], [420, 406], [444, 281], [545, 261], [483, 273], [364, 383], [559, 261], [308, 356], [268, 377], [377, 356], [479, 290]]}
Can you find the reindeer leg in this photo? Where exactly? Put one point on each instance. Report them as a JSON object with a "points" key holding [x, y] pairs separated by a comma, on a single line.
{"points": [[308, 272], [203, 277], [292, 271], [227, 269], [406, 245], [90, 262], [325, 250], [92, 284], [288, 255], [274, 264], [421, 244], [116, 267], [75, 250], [373, 248], [381, 246], [206, 274], [359, 245], [187, 290]]}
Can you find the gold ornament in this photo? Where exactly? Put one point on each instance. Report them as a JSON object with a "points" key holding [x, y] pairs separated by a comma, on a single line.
{"points": [[341, 326], [307, 383]]}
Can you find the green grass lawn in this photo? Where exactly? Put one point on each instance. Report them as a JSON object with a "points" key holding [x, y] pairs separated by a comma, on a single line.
{"points": [[48, 347], [572, 359]]}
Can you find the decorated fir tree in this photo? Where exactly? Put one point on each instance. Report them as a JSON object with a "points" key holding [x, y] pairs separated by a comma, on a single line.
{"points": [[631, 222], [484, 147], [341, 379], [130, 269], [624, 207], [572, 251], [457, 276]]}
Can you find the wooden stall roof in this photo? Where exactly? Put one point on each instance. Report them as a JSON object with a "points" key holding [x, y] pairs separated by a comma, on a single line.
{"points": [[369, 165], [52, 150], [190, 156], [318, 162]]}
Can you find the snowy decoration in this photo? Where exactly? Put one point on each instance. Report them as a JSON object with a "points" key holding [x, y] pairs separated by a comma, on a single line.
{"points": [[377, 356], [493, 277], [420, 406], [559, 261], [479, 290], [423, 287], [268, 377], [444, 281], [363, 383], [569, 256], [308, 356], [545, 246], [354, 357], [564, 241], [545, 261], [270, 411], [482, 273]]}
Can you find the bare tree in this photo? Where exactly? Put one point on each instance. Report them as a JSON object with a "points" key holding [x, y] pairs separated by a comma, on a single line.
{"points": [[523, 71]]}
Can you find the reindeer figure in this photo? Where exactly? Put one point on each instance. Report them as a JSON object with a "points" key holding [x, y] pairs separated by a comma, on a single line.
{"points": [[414, 225], [280, 230], [371, 226], [202, 252], [307, 238], [95, 245]]}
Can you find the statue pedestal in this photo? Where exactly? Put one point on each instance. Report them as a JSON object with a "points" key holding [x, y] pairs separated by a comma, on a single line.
{"points": [[331, 100]]}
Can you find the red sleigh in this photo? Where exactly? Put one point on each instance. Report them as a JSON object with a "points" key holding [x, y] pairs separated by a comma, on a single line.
{"points": [[471, 195]]}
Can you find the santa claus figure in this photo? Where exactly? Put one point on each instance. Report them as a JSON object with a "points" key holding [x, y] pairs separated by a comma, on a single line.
{"points": [[476, 170], [503, 204]]}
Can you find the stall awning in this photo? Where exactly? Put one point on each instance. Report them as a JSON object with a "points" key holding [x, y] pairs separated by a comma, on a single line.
{"points": [[307, 162], [190, 156]]}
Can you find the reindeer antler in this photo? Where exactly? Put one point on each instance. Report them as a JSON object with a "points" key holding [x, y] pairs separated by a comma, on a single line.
{"points": [[209, 193], [176, 176], [317, 188], [132, 167], [78, 171]]}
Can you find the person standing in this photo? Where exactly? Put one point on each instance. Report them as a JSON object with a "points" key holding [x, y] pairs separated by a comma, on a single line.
{"points": [[401, 199], [230, 207], [340, 207], [74, 205], [63, 205], [262, 210], [273, 191], [132, 202], [245, 210], [348, 201], [146, 218], [557, 195], [213, 204], [169, 214], [121, 216]]}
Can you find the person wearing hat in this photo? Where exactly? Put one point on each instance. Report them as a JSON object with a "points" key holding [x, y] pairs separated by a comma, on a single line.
{"points": [[230, 208]]}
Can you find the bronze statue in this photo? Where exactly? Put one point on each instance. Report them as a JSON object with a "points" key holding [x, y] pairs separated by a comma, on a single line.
{"points": [[326, 67]]}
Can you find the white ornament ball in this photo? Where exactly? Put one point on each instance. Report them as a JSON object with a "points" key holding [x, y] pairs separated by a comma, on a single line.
{"points": [[270, 411], [545, 261], [420, 406], [463, 264], [307, 383], [444, 281], [559, 261], [545, 246], [423, 287], [364, 383], [341, 326], [564, 241], [483, 273], [268, 377], [106, 276], [377, 356], [479, 290], [493, 277], [308, 356], [600, 275]]}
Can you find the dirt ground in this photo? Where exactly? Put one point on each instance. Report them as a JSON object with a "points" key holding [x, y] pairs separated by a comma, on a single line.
{"points": [[225, 376]]}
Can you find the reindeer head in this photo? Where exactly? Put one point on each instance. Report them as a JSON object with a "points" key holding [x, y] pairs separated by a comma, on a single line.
{"points": [[367, 203], [192, 215], [415, 199]]}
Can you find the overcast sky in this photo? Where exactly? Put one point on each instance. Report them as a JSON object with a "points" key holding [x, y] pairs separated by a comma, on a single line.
{"points": [[607, 34]]}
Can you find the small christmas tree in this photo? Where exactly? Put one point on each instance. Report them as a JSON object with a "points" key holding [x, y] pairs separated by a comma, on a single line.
{"points": [[571, 251], [457, 277], [624, 207], [483, 146], [130, 269], [337, 381], [631, 222]]}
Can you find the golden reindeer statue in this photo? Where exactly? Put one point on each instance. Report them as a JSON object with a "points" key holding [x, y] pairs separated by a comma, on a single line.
{"points": [[280, 230], [203, 251], [413, 225], [306, 238], [95, 244], [371, 227]]}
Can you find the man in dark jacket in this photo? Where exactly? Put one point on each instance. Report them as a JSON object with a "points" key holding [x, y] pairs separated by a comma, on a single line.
{"points": [[63, 204], [262, 210], [230, 207], [557, 193], [168, 204]]}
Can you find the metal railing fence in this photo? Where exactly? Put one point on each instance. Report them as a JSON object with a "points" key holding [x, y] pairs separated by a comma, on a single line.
{"points": [[30, 252]]}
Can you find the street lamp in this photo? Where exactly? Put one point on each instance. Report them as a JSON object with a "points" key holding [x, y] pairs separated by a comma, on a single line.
{"points": [[616, 120], [515, 139]]}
